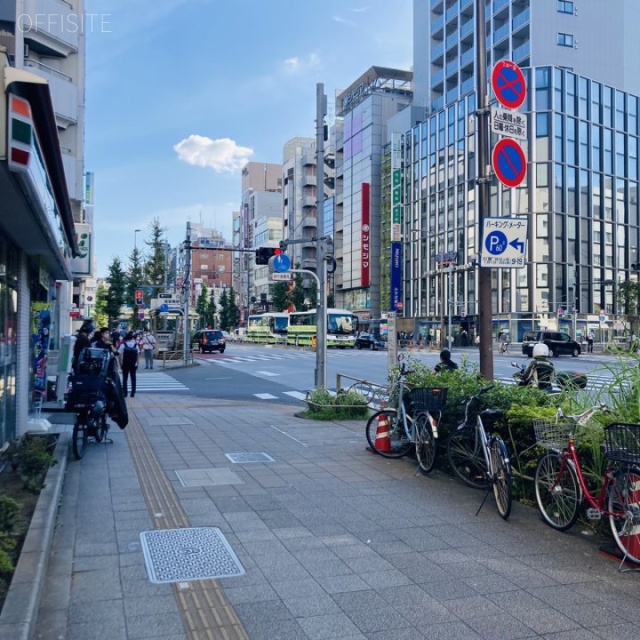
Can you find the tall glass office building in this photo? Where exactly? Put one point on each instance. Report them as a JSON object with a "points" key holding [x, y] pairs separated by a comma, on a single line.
{"points": [[580, 192]]}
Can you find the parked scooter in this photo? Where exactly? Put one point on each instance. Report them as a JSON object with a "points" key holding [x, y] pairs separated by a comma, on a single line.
{"points": [[540, 372]]}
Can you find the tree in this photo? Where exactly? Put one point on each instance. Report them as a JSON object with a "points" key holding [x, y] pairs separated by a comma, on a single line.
{"points": [[134, 281], [234, 312], [280, 296], [155, 267], [211, 308], [224, 311], [202, 306], [101, 315], [116, 295], [297, 296], [629, 293]]}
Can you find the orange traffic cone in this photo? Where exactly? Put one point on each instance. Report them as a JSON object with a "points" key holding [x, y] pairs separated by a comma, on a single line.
{"points": [[383, 441]]}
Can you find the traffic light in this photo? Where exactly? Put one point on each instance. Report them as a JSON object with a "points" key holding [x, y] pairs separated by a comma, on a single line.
{"points": [[264, 253], [139, 297]]}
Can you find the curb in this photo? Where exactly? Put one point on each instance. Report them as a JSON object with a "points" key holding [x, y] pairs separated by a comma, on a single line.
{"points": [[20, 611]]}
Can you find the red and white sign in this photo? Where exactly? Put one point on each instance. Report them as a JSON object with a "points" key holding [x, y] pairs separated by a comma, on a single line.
{"points": [[365, 235], [509, 85]]}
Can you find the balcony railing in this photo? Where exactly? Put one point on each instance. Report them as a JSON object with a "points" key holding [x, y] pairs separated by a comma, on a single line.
{"points": [[522, 18]]}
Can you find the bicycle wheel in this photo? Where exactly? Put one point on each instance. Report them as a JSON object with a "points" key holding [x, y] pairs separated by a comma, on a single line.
{"points": [[464, 453], [558, 493], [386, 435], [624, 504], [79, 439], [501, 469], [100, 428], [426, 443]]}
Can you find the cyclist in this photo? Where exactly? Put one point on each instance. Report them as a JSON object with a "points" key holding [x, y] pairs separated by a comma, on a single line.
{"points": [[538, 371], [446, 363]]}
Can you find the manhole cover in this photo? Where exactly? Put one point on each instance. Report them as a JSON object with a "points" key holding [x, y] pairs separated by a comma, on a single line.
{"points": [[239, 458], [198, 553]]}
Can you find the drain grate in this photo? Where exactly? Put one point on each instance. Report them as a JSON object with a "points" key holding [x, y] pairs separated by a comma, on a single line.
{"points": [[239, 458], [179, 555]]}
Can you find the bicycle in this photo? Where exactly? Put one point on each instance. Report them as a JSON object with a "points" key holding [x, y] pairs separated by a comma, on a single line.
{"points": [[481, 460], [561, 488], [392, 431]]}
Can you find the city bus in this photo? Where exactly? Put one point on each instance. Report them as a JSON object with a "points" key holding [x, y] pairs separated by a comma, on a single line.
{"points": [[267, 328], [342, 326]]}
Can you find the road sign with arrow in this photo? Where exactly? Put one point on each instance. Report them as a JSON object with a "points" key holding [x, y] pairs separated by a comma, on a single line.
{"points": [[504, 242]]}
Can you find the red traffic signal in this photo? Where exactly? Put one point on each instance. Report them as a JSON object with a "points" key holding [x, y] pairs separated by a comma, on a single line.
{"points": [[139, 296]]}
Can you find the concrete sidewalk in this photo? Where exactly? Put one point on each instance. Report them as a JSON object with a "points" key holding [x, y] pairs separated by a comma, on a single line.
{"points": [[335, 543]]}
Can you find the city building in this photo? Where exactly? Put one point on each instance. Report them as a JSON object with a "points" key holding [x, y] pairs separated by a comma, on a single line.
{"points": [[580, 192], [259, 224], [37, 243], [363, 110]]}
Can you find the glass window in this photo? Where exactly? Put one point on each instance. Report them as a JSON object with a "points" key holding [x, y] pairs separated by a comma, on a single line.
{"points": [[608, 150], [565, 6], [558, 92], [606, 106], [620, 110], [596, 132], [542, 88], [632, 155], [565, 40], [583, 102], [632, 115], [571, 140], [583, 159], [570, 87], [620, 154], [558, 136], [596, 98], [542, 136]]}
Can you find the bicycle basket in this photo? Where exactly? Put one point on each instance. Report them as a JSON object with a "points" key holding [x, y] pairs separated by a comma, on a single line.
{"points": [[622, 443], [554, 434], [424, 399]]}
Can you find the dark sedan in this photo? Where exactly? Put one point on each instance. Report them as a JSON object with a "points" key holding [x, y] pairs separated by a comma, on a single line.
{"points": [[369, 341]]}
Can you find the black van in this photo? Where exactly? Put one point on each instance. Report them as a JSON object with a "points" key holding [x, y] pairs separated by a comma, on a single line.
{"points": [[208, 340], [559, 343]]}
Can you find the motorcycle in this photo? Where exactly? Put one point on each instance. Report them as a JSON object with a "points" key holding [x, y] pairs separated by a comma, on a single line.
{"points": [[547, 376]]}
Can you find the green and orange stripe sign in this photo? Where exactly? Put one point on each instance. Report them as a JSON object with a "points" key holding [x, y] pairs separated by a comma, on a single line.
{"points": [[20, 133]]}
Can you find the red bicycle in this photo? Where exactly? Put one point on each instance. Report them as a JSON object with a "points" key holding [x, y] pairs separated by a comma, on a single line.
{"points": [[561, 487]]}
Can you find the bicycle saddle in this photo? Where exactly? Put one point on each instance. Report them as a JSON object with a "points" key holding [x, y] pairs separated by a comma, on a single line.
{"points": [[491, 414]]}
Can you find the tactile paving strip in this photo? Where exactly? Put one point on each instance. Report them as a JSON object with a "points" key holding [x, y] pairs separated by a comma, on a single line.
{"points": [[239, 458], [180, 555]]}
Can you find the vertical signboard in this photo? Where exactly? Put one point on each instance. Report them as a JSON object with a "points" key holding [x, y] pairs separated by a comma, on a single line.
{"points": [[396, 276], [88, 187], [81, 265], [396, 187], [365, 238]]}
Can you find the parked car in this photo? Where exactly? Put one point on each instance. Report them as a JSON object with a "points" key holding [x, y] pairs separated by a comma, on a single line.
{"points": [[208, 340], [558, 342], [369, 341]]}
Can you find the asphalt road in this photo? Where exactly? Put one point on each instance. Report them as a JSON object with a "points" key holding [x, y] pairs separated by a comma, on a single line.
{"points": [[285, 374]]}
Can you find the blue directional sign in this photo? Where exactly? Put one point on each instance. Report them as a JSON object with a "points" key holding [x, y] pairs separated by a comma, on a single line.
{"points": [[281, 263], [504, 242]]}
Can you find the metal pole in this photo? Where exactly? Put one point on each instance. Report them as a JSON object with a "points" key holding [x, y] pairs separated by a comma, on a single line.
{"points": [[321, 303], [449, 341], [442, 308], [484, 177], [187, 294]]}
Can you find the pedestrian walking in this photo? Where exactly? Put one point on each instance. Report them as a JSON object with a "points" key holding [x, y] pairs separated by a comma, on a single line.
{"points": [[590, 338], [148, 345], [128, 353]]}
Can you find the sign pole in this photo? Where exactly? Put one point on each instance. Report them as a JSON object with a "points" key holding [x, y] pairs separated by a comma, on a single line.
{"points": [[483, 114]]}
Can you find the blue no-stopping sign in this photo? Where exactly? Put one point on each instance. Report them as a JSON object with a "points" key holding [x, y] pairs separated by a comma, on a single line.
{"points": [[509, 162]]}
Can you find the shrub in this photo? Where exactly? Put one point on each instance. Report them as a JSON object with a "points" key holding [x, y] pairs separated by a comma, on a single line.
{"points": [[31, 457], [9, 509], [343, 406]]}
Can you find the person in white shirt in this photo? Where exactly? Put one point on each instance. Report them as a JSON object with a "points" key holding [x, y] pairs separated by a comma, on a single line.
{"points": [[148, 345]]}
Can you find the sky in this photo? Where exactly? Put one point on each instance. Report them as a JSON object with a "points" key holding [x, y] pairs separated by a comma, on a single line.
{"points": [[180, 94]]}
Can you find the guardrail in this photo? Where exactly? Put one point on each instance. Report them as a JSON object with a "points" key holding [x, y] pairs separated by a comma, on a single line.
{"points": [[375, 394], [173, 356]]}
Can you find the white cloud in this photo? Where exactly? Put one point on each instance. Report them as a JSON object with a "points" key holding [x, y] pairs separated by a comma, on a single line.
{"points": [[222, 155], [301, 65]]}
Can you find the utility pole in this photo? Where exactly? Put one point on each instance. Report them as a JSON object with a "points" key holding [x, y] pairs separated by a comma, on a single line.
{"points": [[484, 177], [321, 302], [187, 294]]}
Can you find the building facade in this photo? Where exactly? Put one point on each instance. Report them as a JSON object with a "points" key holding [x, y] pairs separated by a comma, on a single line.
{"points": [[363, 109], [580, 192]]}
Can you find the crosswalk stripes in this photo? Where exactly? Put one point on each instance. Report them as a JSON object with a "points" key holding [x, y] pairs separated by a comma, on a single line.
{"points": [[158, 382]]}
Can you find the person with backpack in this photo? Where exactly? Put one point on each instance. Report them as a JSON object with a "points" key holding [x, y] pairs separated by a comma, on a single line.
{"points": [[128, 353], [148, 345]]}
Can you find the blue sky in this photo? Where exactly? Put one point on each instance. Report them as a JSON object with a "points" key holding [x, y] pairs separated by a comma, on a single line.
{"points": [[181, 93]]}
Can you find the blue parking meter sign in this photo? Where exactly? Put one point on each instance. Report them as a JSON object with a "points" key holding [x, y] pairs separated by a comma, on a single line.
{"points": [[504, 242]]}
